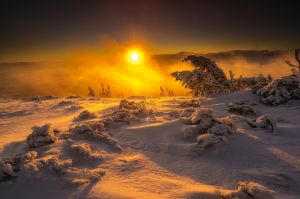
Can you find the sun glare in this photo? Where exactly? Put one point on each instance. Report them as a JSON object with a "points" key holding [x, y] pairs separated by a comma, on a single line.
{"points": [[134, 56]]}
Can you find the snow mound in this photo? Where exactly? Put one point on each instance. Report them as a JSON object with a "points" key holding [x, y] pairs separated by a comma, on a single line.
{"points": [[263, 121], [95, 130], [205, 129], [249, 190], [208, 140], [85, 115], [41, 135], [203, 117], [280, 90], [242, 107]]}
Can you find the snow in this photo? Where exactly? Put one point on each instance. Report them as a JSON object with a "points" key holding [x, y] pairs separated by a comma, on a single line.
{"points": [[168, 147]]}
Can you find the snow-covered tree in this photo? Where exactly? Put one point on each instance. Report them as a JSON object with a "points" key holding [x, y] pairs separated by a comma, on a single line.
{"points": [[206, 78]]}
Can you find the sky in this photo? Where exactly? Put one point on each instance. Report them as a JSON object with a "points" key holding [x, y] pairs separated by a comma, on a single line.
{"points": [[32, 28]]}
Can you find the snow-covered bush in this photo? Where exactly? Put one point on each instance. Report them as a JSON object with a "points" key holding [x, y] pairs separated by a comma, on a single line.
{"points": [[187, 112], [82, 149], [191, 103], [242, 107], [249, 190], [283, 89], [205, 129], [280, 90], [254, 83], [135, 108], [41, 135], [191, 132], [202, 117], [85, 115], [128, 111], [208, 140], [206, 78], [13, 167], [28, 163], [95, 130], [6, 170], [55, 163], [263, 121]]}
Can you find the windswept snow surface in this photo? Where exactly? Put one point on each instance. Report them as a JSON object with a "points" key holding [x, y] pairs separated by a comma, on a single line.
{"points": [[154, 160]]}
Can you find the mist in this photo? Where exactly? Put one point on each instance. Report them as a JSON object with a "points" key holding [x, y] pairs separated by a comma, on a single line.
{"points": [[73, 72]]}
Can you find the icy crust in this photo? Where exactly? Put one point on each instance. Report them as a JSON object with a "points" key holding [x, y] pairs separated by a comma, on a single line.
{"points": [[41, 136], [242, 107], [205, 129], [249, 190], [280, 90]]}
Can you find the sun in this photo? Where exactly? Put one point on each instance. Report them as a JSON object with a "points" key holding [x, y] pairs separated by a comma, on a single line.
{"points": [[134, 56]]}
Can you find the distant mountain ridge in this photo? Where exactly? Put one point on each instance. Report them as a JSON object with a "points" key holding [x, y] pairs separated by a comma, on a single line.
{"points": [[251, 56]]}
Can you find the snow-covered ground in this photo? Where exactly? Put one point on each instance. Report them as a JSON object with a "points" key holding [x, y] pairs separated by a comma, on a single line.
{"points": [[149, 153]]}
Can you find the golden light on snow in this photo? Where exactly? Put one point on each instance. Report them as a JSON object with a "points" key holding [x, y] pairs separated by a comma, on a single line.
{"points": [[134, 56]]}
